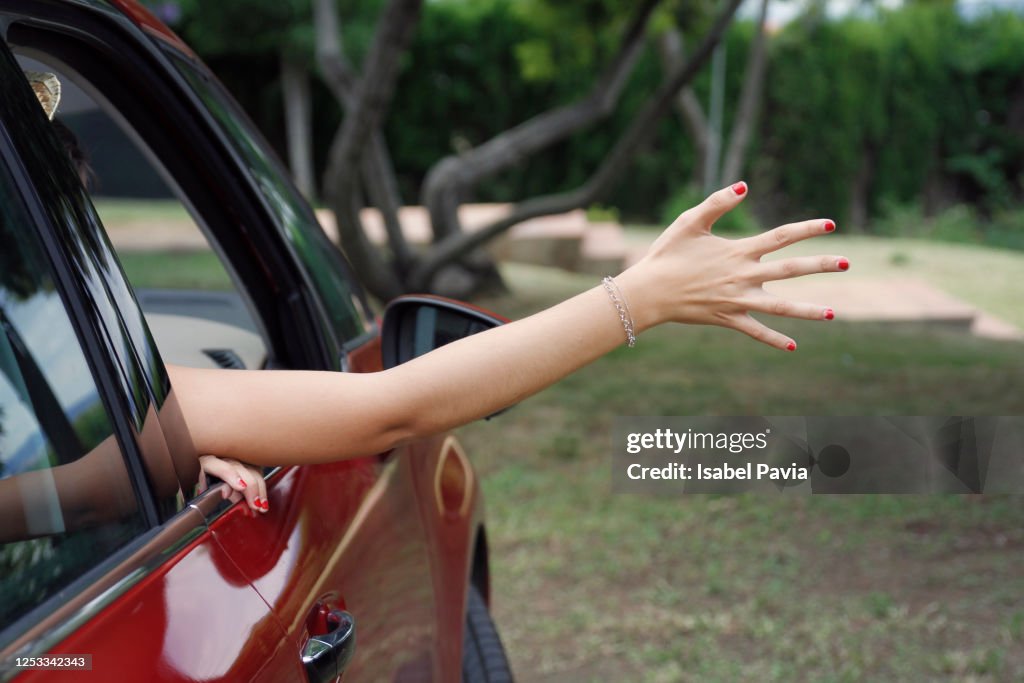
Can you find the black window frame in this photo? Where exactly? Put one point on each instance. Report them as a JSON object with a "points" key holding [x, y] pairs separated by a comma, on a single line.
{"points": [[25, 142], [298, 335]]}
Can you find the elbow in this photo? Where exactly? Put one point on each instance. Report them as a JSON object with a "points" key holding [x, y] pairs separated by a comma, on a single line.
{"points": [[405, 416]]}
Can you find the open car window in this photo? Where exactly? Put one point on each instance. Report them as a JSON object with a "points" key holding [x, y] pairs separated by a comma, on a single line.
{"points": [[195, 307]]}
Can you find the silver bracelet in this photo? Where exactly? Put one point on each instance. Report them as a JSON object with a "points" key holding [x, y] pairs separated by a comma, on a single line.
{"points": [[621, 307]]}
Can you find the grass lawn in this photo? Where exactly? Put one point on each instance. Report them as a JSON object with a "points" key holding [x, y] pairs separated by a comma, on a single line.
{"points": [[594, 587], [117, 211], [175, 270]]}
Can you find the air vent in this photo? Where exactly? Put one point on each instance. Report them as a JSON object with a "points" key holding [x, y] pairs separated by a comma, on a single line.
{"points": [[225, 358]]}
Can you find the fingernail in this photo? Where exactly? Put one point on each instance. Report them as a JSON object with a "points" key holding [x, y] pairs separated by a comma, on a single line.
{"points": [[829, 314], [844, 264], [740, 188], [266, 505], [256, 503], [791, 346], [241, 482], [829, 226]]}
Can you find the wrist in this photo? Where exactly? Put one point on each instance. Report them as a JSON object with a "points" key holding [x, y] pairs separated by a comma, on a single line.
{"points": [[637, 293]]}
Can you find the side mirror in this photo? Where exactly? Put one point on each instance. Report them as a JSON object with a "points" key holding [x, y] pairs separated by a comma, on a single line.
{"points": [[419, 323]]}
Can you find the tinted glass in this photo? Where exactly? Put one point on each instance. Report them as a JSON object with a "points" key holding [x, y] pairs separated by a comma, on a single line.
{"points": [[66, 500]]}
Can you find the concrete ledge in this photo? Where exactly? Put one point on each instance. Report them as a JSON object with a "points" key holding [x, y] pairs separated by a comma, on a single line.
{"points": [[564, 240], [903, 300]]}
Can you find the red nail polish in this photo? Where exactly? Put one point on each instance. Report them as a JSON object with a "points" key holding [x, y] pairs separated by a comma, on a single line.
{"points": [[241, 482], [740, 188], [829, 314], [829, 226], [256, 502], [844, 264], [791, 346], [265, 505]]}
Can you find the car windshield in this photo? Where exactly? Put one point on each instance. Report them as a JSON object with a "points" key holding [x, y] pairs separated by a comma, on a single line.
{"points": [[331, 277]]}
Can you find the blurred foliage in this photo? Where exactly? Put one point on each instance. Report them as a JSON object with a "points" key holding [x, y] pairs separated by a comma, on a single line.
{"points": [[253, 27], [956, 223], [928, 104], [918, 105]]}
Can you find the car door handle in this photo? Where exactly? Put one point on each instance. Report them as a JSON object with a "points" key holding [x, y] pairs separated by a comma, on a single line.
{"points": [[326, 656]]}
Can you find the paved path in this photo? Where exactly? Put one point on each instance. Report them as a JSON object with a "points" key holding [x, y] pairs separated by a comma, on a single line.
{"points": [[571, 242], [896, 299]]}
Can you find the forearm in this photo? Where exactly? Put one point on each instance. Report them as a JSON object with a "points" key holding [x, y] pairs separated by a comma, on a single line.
{"points": [[479, 375], [296, 417], [688, 276]]}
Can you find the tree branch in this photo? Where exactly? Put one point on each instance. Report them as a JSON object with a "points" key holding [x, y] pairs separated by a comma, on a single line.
{"points": [[370, 100], [447, 179], [377, 171], [298, 123], [670, 49], [614, 164], [750, 100]]}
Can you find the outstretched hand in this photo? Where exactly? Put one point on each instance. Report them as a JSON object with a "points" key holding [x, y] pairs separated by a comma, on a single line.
{"points": [[692, 276], [244, 481]]}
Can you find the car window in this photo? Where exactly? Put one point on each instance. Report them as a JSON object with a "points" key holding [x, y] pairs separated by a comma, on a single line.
{"points": [[332, 280], [195, 309], [66, 499]]}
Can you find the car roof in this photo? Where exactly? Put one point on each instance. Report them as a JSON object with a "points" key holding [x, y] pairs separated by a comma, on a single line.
{"points": [[140, 16]]}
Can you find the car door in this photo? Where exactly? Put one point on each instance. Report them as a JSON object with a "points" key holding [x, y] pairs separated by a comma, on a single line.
{"points": [[106, 573], [351, 535], [344, 536]]}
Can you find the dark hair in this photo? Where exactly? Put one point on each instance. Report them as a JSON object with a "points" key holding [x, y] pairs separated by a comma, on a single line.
{"points": [[79, 159]]}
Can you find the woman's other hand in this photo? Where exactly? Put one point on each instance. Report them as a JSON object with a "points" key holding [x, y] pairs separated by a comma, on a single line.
{"points": [[692, 276], [245, 481]]}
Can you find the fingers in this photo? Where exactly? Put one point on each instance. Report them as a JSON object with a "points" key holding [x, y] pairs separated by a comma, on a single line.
{"points": [[802, 265], [717, 205], [257, 474], [242, 480], [776, 306], [763, 333], [254, 489], [210, 465], [785, 235], [789, 309]]}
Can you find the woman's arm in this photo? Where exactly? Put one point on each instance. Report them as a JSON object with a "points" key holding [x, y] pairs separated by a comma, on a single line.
{"points": [[688, 276], [95, 490]]}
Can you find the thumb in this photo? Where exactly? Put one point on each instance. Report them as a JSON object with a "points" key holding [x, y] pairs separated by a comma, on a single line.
{"points": [[719, 203]]}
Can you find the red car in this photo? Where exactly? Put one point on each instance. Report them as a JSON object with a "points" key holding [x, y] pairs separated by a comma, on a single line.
{"points": [[372, 569]]}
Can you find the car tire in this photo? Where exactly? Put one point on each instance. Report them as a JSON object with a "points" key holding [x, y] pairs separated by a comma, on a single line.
{"points": [[483, 656]]}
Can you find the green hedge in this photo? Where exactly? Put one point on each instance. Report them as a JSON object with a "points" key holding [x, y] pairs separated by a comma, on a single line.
{"points": [[917, 106], [920, 106]]}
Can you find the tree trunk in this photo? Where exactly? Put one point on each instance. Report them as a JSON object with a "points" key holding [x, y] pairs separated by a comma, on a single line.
{"points": [[377, 170], [860, 190], [670, 49], [298, 122], [366, 106], [716, 108], [614, 164], [750, 101], [448, 179]]}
